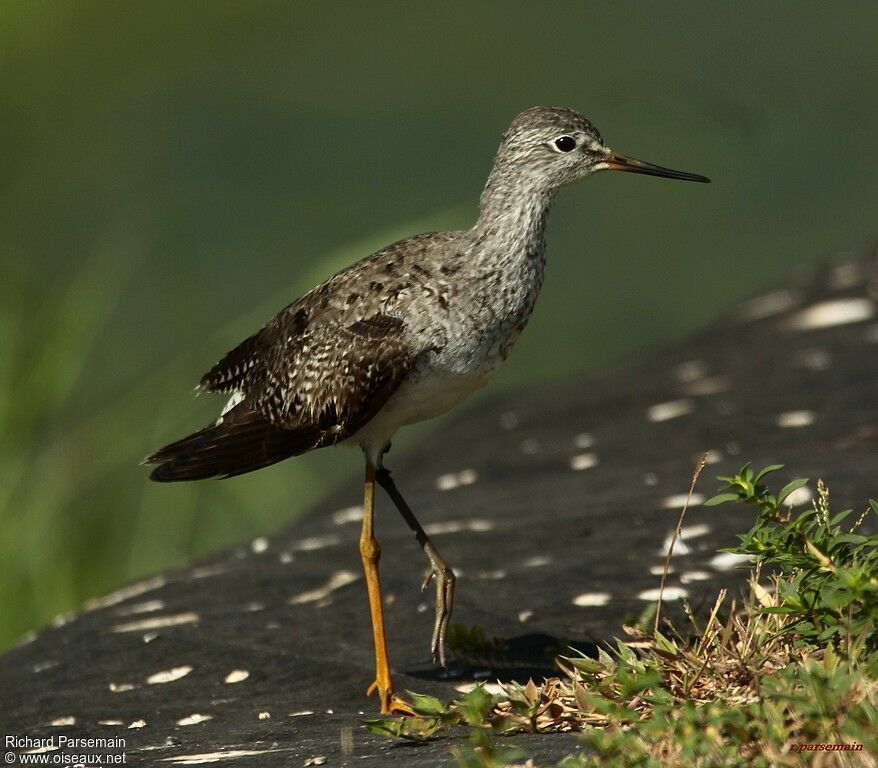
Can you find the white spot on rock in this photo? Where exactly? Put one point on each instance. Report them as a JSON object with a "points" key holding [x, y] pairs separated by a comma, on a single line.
{"points": [[314, 543], [216, 757], [727, 561], [678, 500], [592, 599], [133, 590], [316, 760], [137, 724], [168, 675], [237, 676], [38, 750], [798, 497], [467, 476], [583, 440], [121, 687], [795, 419], [827, 314], [148, 606], [583, 461], [689, 576], [669, 593], [454, 480], [680, 546], [194, 719], [158, 622], [537, 561], [670, 410], [301, 713], [285, 558], [265, 715], [845, 276], [495, 575], [704, 387], [347, 515], [336, 581], [691, 370], [658, 570], [260, 545], [694, 531], [110, 722], [59, 722], [524, 616], [62, 618], [476, 525]]}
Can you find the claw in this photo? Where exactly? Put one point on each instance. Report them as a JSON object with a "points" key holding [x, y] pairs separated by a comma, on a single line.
{"points": [[444, 602], [428, 577], [391, 704]]}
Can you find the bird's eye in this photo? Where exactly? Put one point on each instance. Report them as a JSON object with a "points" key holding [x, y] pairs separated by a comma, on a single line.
{"points": [[565, 143]]}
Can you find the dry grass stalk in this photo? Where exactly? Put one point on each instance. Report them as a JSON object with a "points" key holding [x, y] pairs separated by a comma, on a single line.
{"points": [[695, 475]]}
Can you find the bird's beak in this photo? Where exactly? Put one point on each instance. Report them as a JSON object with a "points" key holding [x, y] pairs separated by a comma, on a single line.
{"points": [[618, 162]]}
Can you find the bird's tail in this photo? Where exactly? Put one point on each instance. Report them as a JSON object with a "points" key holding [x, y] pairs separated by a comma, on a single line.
{"points": [[242, 441]]}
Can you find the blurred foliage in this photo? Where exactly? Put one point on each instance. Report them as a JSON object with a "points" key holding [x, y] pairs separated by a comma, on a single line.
{"points": [[172, 174]]}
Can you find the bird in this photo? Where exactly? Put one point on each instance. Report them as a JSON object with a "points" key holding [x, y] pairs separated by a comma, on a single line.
{"points": [[399, 337]]}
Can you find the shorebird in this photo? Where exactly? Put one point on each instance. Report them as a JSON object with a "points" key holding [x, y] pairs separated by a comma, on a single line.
{"points": [[399, 337]]}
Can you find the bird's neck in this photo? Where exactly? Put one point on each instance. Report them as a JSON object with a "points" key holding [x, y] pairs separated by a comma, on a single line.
{"points": [[512, 216]]}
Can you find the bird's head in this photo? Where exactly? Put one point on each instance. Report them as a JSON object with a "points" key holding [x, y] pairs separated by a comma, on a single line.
{"points": [[554, 146]]}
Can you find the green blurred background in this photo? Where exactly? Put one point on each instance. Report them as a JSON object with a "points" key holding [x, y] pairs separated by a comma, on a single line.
{"points": [[173, 173]]}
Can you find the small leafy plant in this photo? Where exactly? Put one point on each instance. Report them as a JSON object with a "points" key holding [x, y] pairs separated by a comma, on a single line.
{"points": [[829, 592]]}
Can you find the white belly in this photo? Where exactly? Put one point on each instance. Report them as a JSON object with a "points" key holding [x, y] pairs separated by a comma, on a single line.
{"points": [[414, 401]]}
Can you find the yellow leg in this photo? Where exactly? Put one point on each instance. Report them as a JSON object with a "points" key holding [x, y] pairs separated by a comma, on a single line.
{"points": [[370, 551]]}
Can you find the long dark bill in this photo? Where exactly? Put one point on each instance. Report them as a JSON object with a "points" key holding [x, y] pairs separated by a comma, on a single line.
{"points": [[617, 162]]}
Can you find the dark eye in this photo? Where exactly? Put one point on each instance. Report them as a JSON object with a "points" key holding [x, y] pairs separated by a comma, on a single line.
{"points": [[565, 143]]}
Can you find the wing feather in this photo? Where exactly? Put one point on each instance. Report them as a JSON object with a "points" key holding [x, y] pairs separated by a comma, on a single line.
{"points": [[304, 386]]}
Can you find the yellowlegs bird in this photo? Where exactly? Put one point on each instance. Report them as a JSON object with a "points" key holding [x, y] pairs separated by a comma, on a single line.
{"points": [[401, 336]]}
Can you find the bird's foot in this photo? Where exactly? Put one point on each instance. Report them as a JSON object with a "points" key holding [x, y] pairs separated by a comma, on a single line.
{"points": [[445, 580], [391, 704]]}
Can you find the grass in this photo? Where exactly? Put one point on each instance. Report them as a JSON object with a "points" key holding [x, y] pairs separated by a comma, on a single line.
{"points": [[785, 675]]}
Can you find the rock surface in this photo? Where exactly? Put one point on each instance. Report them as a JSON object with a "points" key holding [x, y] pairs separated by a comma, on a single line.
{"points": [[555, 504]]}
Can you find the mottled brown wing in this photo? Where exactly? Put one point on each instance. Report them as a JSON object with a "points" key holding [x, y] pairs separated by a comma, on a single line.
{"points": [[245, 362], [333, 378], [303, 392]]}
